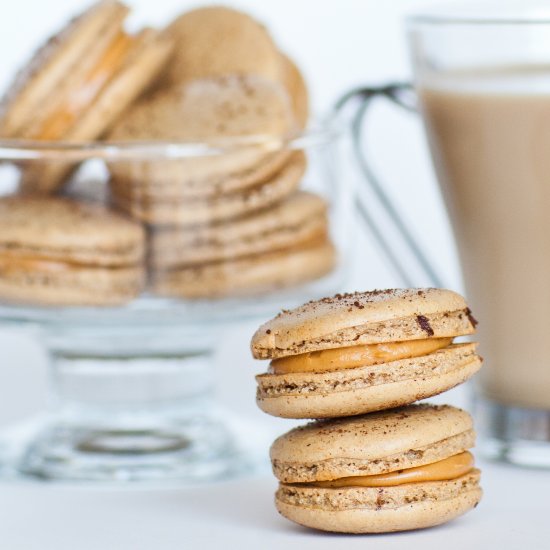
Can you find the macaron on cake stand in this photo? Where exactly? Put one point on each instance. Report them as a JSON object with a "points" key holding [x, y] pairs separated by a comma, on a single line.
{"points": [[131, 272]]}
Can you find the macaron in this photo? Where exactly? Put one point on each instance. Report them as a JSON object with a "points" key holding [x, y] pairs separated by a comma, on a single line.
{"points": [[218, 41], [193, 178], [213, 111], [362, 352], [58, 252], [299, 219], [249, 275], [182, 211], [78, 84], [406, 468]]}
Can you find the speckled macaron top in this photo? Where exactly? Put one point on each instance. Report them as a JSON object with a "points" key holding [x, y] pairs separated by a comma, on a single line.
{"points": [[364, 318], [211, 108], [372, 444], [65, 230], [217, 41]]}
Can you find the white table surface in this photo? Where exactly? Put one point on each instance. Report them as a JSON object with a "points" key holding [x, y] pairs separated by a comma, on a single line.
{"points": [[514, 514]]}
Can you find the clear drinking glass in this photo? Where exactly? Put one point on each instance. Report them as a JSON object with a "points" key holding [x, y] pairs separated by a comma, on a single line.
{"points": [[132, 383], [482, 87]]}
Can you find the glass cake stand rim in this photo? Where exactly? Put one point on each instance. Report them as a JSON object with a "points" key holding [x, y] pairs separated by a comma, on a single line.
{"points": [[320, 132]]}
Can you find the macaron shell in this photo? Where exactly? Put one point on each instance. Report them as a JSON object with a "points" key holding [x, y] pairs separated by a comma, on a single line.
{"points": [[217, 41], [361, 390], [373, 443], [62, 229], [441, 325], [295, 83], [215, 111], [209, 109], [55, 66], [299, 219], [379, 510], [248, 276], [199, 178], [364, 318], [71, 286], [215, 209], [56, 251]]}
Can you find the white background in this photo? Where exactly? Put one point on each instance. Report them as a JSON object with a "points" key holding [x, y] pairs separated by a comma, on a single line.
{"points": [[338, 44]]}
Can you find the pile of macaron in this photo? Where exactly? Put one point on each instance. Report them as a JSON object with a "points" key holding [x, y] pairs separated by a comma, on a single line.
{"points": [[229, 221], [373, 460]]}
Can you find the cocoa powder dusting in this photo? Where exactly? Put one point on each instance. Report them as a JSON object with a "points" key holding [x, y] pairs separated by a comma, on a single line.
{"points": [[471, 318], [425, 325]]}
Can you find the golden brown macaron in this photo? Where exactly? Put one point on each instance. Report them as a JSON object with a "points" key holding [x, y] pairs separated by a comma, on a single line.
{"points": [[250, 275], [213, 102], [78, 84], [174, 210], [407, 468], [171, 180], [284, 245], [214, 111], [219, 41], [39, 87], [299, 219], [59, 252], [362, 352]]}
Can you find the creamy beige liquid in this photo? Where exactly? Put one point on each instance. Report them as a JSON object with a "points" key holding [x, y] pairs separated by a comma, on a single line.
{"points": [[490, 139]]}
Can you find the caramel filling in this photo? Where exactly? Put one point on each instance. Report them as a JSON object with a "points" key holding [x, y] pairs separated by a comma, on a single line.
{"points": [[58, 124], [45, 265], [356, 356], [444, 470]]}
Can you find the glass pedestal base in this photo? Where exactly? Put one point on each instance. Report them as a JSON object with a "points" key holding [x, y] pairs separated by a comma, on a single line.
{"points": [[189, 449], [512, 434], [134, 406], [132, 390]]}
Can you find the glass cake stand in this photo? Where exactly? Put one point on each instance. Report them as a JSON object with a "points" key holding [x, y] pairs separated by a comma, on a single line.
{"points": [[131, 386]]}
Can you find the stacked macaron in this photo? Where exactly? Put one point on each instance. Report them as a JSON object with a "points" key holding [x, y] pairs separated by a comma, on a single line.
{"points": [[226, 79], [56, 251], [345, 359]]}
